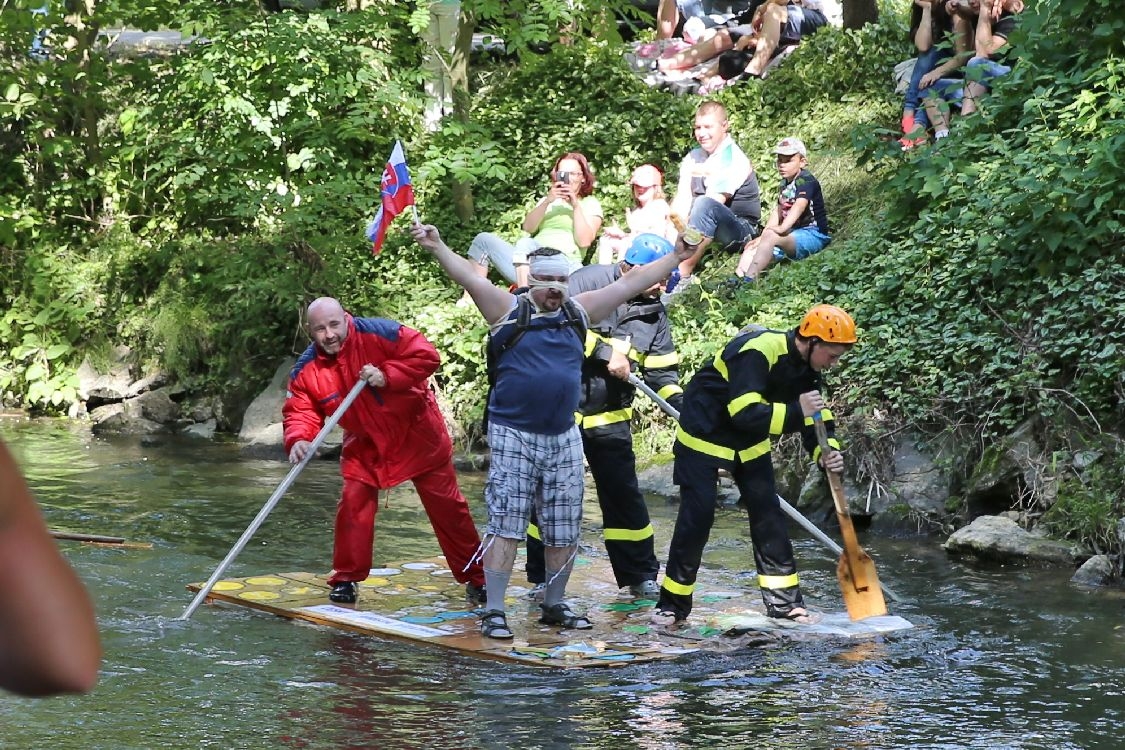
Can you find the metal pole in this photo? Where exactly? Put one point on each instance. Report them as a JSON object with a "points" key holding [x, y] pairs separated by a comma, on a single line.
{"points": [[789, 510], [274, 499]]}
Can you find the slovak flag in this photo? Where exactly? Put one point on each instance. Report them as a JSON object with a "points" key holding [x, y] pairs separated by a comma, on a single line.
{"points": [[397, 193]]}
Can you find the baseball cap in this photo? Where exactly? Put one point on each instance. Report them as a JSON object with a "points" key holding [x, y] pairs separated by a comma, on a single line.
{"points": [[646, 248], [647, 175], [790, 146]]}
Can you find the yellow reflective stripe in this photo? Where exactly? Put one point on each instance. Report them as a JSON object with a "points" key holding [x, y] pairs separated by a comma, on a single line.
{"points": [[777, 582], [592, 340], [655, 361], [683, 589], [669, 390], [777, 422], [620, 346], [702, 446], [827, 417], [754, 451], [533, 531], [628, 535], [832, 443], [746, 399], [606, 417], [721, 366], [772, 345]]}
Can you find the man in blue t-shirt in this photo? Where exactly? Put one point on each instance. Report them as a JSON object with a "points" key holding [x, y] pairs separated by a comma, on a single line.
{"points": [[536, 445], [798, 224]]}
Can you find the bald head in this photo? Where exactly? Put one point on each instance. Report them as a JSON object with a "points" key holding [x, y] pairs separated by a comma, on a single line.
{"points": [[327, 324]]}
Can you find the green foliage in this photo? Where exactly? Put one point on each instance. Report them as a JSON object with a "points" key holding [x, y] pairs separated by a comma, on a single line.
{"points": [[1085, 511], [267, 127]]}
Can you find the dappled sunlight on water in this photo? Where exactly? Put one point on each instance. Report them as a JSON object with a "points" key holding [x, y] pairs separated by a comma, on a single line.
{"points": [[999, 658]]}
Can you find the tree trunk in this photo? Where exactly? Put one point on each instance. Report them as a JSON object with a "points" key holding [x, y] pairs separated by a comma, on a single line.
{"points": [[83, 90], [459, 75], [859, 13]]}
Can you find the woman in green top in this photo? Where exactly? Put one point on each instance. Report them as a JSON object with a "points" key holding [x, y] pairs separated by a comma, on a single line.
{"points": [[568, 219]]}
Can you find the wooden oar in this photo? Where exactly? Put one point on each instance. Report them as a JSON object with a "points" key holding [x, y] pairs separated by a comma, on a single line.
{"points": [[788, 509], [109, 541], [859, 583]]}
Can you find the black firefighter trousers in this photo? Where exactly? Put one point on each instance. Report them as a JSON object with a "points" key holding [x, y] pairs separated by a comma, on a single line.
{"points": [[698, 476]]}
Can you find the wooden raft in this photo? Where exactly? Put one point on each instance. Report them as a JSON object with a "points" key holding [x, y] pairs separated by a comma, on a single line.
{"points": [[420, 602]]}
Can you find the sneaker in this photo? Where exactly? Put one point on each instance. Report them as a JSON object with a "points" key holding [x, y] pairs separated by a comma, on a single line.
{"points": [[669, 297], [663, 618], [645, 590], [475, 594], [344, 593], [536, 592]]}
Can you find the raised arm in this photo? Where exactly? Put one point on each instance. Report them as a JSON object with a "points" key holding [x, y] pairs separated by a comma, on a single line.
{"points": [[492, 301], [924, 35], [599, 303], [987, 43], [48, 633]]}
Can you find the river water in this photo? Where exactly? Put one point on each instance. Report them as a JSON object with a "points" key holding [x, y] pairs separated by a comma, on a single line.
{"points": [[999, 658]]}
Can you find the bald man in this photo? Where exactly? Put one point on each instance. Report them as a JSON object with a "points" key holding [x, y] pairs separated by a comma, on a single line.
{"points": [[393, 432]]}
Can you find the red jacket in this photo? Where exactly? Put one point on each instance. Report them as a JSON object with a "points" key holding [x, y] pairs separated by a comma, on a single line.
{"points": [[391, 434]]}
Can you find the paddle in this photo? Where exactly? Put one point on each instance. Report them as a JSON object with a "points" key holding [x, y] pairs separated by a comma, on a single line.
{"points": [[856, 571], [788, 509], [274, 498]]}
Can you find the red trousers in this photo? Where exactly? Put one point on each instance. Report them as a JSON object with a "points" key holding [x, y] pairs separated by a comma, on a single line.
{"points": [[448, 512]]}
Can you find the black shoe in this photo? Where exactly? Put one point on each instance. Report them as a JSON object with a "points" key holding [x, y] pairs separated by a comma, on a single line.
{"points": [[476, 594], [344, 593]]}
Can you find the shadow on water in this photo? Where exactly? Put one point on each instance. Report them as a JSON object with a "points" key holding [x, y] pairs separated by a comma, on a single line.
{"points": [[1000, 657]]}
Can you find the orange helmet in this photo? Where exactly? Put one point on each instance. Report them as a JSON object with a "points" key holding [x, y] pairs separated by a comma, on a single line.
{"points": [[828, 323]]}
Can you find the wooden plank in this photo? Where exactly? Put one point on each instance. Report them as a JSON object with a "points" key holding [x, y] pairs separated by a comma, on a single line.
{"points": [[420, 602]]}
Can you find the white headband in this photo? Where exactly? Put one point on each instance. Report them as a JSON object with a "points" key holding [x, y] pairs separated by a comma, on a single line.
{"points": [[550, 265]]}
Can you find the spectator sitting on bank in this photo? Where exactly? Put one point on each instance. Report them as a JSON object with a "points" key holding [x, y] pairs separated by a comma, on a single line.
{"points": [[650, 214], [995, 22], [710, 45], [775, 24], [985, 36], [931, 31], [718, 191], [697, 16], [567, 219], [798, 224]]}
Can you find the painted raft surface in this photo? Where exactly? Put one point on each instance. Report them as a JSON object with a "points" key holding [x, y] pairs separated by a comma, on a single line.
{"points": [[421, 603]]}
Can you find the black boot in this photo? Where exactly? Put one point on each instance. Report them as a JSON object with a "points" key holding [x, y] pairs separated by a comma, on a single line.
{"points": [[344, 592]]}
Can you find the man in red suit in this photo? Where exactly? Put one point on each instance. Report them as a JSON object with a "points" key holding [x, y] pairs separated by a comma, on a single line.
{"points": [[393, 432]]}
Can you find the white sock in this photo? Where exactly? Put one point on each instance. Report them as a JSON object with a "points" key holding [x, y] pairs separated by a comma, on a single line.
{"points": [[939, 134]]}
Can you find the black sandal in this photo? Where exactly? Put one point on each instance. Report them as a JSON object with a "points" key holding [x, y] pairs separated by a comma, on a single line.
{"points": [[494, 624], [561, 614]]}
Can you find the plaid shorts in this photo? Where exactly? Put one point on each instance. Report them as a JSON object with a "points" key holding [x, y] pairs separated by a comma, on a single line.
{"points": [[545, 469]]}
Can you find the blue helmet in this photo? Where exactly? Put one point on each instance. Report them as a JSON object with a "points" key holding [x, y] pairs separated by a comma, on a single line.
{"points": [[646, 248]]}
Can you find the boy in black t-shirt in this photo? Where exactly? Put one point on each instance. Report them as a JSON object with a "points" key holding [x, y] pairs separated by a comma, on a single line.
{"points": [[798, 225]]}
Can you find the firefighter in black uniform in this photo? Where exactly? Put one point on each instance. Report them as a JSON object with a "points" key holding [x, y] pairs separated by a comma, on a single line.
{"points": [[636, 334], [762, 384]]}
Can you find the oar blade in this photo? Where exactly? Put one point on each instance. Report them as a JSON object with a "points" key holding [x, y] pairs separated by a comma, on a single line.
{"points": [[859, 583]]}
